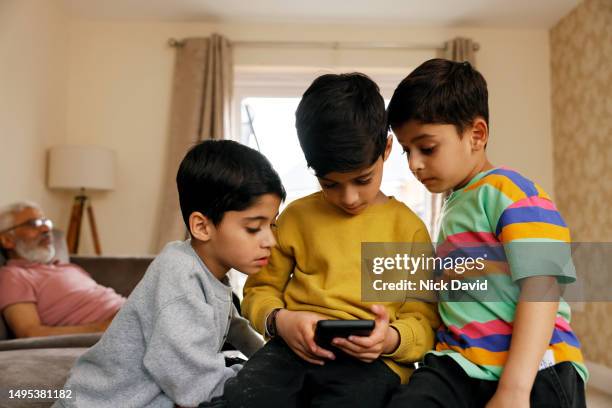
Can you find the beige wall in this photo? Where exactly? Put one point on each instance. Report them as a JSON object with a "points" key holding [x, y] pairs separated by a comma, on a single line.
{"points": [[34, 72], [120, 82], [108, 83], [581, 61]]}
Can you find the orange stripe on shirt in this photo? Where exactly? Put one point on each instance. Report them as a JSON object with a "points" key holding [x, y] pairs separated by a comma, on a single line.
{"points": [[480, 356], [566, 352], [523, 230], [503, 184], [477, 355]]}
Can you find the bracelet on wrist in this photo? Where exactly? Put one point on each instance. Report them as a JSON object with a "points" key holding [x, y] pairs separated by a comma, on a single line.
{"points": [[271, 323]]}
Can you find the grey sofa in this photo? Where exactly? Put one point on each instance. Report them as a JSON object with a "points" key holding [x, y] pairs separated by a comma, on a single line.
{"points": [[44, 363]]}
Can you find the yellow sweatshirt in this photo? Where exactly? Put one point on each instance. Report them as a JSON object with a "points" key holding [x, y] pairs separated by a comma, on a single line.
{"points": [[316, 267]]}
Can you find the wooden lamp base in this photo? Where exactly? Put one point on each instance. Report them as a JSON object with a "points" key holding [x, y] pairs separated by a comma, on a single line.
{"points": [[74, 228]]}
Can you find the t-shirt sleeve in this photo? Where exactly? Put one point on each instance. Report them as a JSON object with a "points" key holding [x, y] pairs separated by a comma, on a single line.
{"points": [[535, 238], [15, 287]]}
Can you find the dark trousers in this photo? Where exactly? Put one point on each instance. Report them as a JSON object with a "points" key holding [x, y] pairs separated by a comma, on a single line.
{"points": [[441, 382], [276, 377]]}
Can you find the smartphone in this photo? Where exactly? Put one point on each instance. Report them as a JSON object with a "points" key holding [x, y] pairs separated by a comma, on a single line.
{"points": [[327, 330]]}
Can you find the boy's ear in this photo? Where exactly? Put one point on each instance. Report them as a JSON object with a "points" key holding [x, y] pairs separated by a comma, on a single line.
{"points": [[388, 147], [200, 226], [479, 134]]}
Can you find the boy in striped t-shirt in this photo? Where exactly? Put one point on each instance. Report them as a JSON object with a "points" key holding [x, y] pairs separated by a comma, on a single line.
{"points": [[511, 344]]}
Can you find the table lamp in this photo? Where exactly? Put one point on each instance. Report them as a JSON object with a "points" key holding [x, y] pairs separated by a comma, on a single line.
{"points": [[81, 168]]}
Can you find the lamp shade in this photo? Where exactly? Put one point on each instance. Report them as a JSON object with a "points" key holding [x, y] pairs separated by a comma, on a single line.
{"points": [[76, 167]]}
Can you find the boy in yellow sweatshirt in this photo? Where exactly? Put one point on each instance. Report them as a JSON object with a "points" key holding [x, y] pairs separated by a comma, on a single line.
{"points": [[314, 272]]}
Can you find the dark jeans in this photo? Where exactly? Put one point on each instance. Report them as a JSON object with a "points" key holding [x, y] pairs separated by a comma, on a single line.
{"points": [[441, 382], [276, 377]]}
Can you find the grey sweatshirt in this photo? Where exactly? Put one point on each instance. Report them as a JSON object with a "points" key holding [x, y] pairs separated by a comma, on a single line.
{"points": [[163, 347]]}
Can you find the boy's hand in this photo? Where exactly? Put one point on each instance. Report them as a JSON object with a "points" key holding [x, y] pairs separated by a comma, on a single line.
{"points": [[297, 329], [509, 398], [383, 339]]}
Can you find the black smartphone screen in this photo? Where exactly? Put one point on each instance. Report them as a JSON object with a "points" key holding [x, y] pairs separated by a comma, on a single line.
{"points": [[327, 330]]}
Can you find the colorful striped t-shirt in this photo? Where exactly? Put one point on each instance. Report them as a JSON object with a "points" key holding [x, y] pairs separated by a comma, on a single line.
{"points": [[514, 226]]}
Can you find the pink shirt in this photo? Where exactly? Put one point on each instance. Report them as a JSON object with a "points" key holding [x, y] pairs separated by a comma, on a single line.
{"points": [[65, 295]]}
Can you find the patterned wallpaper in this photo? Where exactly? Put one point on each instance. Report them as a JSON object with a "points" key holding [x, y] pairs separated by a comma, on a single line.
{"points": [[581, 72]]}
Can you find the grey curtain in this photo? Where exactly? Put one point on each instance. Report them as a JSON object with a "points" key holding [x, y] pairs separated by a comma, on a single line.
{"points": [[458, 49], [200, 110]]}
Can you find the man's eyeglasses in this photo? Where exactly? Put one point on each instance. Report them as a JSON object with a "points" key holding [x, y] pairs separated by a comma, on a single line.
{"points": [[33, 223]]}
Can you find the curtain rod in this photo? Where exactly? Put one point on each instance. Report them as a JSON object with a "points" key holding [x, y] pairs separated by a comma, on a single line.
{"points": [[335, 45]]}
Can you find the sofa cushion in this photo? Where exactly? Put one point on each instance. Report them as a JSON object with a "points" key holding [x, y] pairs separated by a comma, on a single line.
{"points": [[66, 340], [120, 273], [51, 368]]}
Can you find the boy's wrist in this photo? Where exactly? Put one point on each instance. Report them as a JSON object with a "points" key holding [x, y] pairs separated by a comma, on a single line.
{"points": [[516, 388], [517, 384], [270, 326], [392, 340]]}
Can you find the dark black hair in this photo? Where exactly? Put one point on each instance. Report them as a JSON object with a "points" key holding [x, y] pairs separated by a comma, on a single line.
{"points": [[222, 175], [440, 91], [341, 123]]}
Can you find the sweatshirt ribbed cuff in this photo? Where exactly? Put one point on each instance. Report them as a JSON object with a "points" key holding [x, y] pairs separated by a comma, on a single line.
{"points": [[406, 344], [265, 308]]}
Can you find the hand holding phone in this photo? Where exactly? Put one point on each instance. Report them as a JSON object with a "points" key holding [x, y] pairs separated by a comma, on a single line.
{"points": [[297, 329], [383, 339]]}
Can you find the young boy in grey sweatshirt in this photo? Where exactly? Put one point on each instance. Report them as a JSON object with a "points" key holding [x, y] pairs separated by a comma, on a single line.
{"points": [[164, 346]]}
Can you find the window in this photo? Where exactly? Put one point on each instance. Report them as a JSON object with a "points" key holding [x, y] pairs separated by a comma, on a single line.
{"points": [[268, 125], [273, 134]]}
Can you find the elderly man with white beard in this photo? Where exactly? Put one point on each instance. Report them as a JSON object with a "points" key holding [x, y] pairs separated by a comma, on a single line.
{"points": [[40, 296]]}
